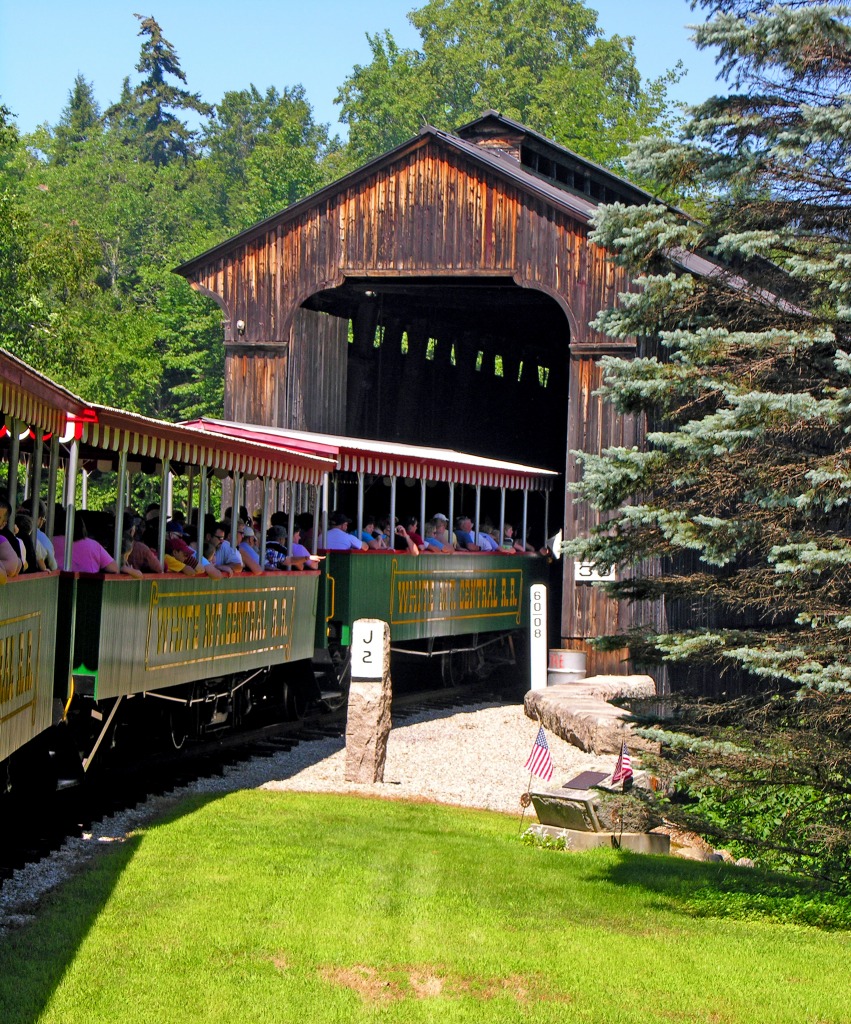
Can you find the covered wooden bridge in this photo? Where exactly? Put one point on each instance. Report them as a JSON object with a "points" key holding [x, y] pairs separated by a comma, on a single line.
{"points": [[439, 295]]}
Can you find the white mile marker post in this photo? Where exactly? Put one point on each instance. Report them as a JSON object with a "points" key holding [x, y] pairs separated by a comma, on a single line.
{"points": [[370, 695], [538, 637]]}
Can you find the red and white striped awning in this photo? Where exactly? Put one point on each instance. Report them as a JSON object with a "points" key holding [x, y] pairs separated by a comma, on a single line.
{"points": [[32, 399], [114, 431], [386, 458]]}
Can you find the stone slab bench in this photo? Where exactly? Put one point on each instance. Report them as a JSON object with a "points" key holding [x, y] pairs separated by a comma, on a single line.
{"points": [[581, 714]]}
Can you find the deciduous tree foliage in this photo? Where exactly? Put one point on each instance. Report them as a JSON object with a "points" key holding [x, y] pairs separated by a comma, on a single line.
{"points": [[741, 497], [542, 62]]}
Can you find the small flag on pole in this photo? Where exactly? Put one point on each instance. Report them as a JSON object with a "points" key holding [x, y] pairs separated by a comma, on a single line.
{"points": [[539, 761], [623, 769]]}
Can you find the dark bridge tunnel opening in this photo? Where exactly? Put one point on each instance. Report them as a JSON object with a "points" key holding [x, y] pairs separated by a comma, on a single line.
{"points": [[475, 364]]}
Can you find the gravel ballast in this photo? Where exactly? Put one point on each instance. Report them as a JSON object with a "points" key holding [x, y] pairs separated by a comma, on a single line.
{"points": [[469, 757]]}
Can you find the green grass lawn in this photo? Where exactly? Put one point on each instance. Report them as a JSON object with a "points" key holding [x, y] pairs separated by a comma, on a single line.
{"points": [[267, 907]]}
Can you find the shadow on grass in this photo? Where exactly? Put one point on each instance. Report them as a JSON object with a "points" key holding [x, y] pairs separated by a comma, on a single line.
{"points": [[35, 956], [722, 890]]}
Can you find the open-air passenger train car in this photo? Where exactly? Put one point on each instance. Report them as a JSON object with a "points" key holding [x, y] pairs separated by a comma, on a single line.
{"points": [[77, 646], [176, 656], [456, 607]]}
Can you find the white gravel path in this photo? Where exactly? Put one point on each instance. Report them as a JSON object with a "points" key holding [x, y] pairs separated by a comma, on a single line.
{"points": [[471, 757]]}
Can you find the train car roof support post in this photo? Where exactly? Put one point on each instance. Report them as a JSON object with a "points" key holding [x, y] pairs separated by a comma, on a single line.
{"points": [[166, 469], [70, 500], [325, 491], [501, 516], [360, 504], [14, 458], [120, 490], [52, 476], [35, 490], [203, 489], [451, 512], [264, 520], [525, 517], [422, 506], [291, 517], [392, 542], [478, 525], [546, 516]]}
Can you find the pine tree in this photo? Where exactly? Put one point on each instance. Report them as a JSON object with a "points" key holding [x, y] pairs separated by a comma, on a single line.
{"points": [[743, 320], [146, 112], [79, 122]]}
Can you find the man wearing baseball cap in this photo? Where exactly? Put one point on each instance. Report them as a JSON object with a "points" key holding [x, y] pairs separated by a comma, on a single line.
{"points": [[339, 538]]}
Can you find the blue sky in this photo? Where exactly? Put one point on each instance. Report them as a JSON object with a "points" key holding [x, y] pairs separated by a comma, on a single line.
{"points": [[224, 46]]}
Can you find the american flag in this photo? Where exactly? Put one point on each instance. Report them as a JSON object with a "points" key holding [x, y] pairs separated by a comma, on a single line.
{"points": [[623, 769], [539, 761]]}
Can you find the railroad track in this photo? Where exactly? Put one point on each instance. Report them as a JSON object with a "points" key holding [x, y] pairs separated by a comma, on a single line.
{"points": [[32, 833]]}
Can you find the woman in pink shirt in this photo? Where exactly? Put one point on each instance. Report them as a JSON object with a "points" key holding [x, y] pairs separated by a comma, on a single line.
{"points": [[86, 554]]}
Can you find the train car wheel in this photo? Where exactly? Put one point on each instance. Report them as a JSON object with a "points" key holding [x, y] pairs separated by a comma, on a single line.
{"points": [[453, 668]]}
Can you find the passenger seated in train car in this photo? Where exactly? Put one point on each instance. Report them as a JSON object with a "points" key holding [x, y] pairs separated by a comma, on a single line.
{"points": [[339, 538], [44, 552], [508, 540], [6, 529], [300, 557], [433, 545], [179, 557], [304, 521], [175, 542], [410, 523], [226, 554], [385, 532], [10, 564], [404, 541], [250, 557], [206, 563], [442, 532], [464, 534], [23, 529], [373, 539], [142, 556], [485, 539], [152, 511], [87, 555], [243, 513], [527, 548], [277, 558], [127, 542]]}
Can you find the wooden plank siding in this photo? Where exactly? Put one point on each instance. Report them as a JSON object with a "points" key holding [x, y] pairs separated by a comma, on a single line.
{"points": [[430, 212]]}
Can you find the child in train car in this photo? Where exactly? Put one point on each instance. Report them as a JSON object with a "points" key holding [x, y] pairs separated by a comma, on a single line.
{"points": [[179, 557], [127, 542], [142, 556], [276, 550], [23, 529], [44, 552], [205, 560]]}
